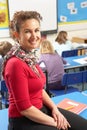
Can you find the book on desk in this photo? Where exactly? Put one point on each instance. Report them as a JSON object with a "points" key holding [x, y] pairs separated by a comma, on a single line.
{"points": [[72, 105]]}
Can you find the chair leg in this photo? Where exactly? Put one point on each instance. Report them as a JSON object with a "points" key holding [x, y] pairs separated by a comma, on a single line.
{"points": [[65, 91], [6, 105], [83, 86]]}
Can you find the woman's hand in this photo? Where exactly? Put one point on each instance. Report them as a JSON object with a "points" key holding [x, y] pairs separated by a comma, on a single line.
{"points": [[62, 123]]}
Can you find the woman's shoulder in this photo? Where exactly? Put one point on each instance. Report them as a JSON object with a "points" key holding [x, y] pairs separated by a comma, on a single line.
{"points": [[14, 61]]}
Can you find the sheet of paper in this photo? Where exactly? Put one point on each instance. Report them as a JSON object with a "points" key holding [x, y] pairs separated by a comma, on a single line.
{"points": [[67, 64], [42, 64], [81, 60]]}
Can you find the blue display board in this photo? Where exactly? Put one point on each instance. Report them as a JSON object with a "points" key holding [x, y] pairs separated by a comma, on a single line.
{"points": [[72, 12]]}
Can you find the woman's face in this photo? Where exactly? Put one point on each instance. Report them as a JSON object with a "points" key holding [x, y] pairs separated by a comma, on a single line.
{"points": [[29, 36]]}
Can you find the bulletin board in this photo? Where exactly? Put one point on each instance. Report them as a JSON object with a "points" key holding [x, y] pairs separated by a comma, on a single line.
{"points": [[4, 19], [72, 14]]}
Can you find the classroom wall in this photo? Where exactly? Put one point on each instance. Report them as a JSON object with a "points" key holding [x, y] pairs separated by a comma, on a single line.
{"points": [[7, 39]]}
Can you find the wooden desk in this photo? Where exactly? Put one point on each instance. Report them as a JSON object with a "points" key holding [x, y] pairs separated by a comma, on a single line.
{"points": [[79, 40]]}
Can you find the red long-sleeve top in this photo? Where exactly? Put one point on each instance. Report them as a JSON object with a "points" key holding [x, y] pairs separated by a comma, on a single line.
{"points": [[24, 86]]}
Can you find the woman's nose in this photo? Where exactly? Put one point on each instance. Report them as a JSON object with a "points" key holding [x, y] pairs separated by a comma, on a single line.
{"points": [[33, 34]]}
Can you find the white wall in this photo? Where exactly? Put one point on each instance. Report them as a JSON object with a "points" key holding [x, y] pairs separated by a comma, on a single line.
{"points": [[7, 39]]}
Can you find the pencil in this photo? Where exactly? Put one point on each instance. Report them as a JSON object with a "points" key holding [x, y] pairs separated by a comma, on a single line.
{"points": [[70, 107]]}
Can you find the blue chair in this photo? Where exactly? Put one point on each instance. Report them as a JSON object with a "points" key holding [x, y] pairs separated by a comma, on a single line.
{"points": [[68, 81], [70, 53], [4, 95], [62, 92], [73, 78], [84, 92], [84, 78]]}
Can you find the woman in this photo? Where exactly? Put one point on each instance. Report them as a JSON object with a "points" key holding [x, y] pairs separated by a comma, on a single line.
{"points": [[30, 107], [62, 43], [54, 64]]}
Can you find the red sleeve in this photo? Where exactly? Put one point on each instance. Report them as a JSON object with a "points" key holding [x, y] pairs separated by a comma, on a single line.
{"points": [[16, 76]]}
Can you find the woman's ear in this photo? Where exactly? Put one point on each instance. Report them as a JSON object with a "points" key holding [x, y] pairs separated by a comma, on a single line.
{"points": [[15, 34]]}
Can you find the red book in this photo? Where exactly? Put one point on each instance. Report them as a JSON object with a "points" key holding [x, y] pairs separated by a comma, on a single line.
{"points": [[72, 105]]}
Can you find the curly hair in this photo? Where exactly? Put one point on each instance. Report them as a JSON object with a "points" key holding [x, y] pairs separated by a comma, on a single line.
{"points": [[19, 17]]}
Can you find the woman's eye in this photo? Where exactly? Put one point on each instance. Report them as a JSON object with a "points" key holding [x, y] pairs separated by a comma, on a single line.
{"points": [[27, 31], [37, 30]]}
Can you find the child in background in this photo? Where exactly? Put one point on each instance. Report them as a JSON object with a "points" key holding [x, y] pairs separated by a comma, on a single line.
{"points": [[54, 65], [62, 43], [5, 46]]}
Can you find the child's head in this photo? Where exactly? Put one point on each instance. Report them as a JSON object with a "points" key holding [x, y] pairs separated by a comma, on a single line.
{"points": [[5, 46], [46, 47], [62, 37]]}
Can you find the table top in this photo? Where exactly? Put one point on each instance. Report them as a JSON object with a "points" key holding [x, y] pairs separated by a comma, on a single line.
{"points": [[75, 62], [77, 96], [4, 119]]}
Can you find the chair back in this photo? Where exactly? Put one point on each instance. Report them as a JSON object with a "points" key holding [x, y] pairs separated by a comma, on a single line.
{"points": [[4, 94], [69, 80], [84, 79], [72, 78], [3, 86], [70, 53], [85, 76]]}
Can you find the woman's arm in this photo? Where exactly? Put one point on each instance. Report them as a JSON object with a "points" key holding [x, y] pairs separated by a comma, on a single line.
{"points": [[38, 116], [34, 114], [47, 100], [58, 117]]}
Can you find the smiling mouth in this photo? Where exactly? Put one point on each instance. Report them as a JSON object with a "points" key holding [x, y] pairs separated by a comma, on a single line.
{"points": [[33, 43]]}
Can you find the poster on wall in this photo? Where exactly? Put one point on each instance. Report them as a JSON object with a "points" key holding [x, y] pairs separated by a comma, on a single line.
{"points": [[72, 14], [4, 19]]}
